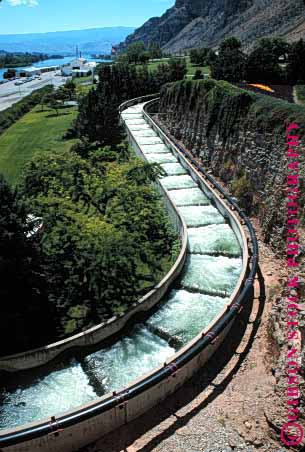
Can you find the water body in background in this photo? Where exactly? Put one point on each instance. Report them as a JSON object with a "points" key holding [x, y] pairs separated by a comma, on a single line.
{"points": [[1, 73], [54, 62]]}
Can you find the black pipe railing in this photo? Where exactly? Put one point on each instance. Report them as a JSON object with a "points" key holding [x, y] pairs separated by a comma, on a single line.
{"points": [[100, 407]]}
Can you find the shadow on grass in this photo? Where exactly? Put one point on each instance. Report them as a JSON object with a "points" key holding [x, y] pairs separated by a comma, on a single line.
{"points": [[125, 436]]}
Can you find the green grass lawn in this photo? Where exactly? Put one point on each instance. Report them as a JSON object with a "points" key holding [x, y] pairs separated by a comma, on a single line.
{"points": [[191, 68], [36, 131], [82, 80]]}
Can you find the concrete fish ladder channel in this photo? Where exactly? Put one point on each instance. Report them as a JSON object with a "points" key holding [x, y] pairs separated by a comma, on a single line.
{"points": [[83, 398]]}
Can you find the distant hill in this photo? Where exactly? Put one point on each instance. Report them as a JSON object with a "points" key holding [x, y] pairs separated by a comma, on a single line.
{"points": [[194, 23], [95, 40]]}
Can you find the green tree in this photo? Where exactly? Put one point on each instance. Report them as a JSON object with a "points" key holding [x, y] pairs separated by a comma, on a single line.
{"points": [[177, 69], [155, 51], [106, 234], [230, 64], [70, 89], [199, 56], [144, 173], [135, 53], [198, 75], [296, 62], [98, 119], [263, 64], [23, 286]]}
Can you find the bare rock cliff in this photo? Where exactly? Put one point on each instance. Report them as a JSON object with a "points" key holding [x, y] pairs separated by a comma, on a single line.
{"points": [[193, 23]]}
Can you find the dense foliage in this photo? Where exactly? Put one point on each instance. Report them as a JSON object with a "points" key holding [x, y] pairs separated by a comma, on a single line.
{"points": [[272, 61], [263, 63], [23, 287], [202, 56], [296, 62], [12, 114], [98, 119], [230, 63], [106, 238], [138, 53], [19, 59]]}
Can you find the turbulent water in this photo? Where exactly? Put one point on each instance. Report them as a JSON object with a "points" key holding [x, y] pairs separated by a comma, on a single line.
{"points": [[173, 169], [178, 182], [200, 309], [129, 358], [161, 158], [57, 392], [214, 239], [209, 277], [200, 215], [189, 197]]}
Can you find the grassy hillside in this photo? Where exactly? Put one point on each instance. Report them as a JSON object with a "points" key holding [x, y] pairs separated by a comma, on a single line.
{"points": [[36, 131]]}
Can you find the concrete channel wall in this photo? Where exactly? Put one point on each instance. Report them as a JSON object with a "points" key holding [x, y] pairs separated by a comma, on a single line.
{"points": [[78, 428]]}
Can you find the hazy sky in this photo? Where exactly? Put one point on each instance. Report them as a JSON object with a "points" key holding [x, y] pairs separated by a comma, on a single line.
{"points": [[31, 16]]}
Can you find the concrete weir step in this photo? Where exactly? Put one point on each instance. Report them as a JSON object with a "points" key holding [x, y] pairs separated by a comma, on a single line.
{"points": [[189, 197], [211, 275], [197, 216], [185, 314], [215, 240], [178, 182], [173, 341]]}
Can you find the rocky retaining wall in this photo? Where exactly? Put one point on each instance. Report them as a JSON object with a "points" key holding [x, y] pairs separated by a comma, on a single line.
{"points": [[241, 138]]}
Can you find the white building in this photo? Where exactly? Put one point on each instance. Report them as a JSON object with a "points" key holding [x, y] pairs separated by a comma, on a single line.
{"points": [[79, 67]]}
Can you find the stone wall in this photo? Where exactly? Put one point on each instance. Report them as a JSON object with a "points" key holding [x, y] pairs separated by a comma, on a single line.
{"points": [[240, 137]]}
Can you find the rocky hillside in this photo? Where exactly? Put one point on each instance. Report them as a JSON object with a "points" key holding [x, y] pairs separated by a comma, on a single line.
{"points": [[240, 137], [193, 23]]}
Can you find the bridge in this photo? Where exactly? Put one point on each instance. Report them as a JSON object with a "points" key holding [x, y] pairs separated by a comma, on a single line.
{"points": [[68, 403]]}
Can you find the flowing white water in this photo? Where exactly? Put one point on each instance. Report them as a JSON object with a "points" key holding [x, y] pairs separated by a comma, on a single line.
{"points": [[129, 358], [149, 140], [189, 197], [211, 275], [135, 121], [178, 182], [173, 169], [200, 215], [60, 391], [144, 133], [154, 149], [139, 128], [214, 239], [161, 158], [185, 314], [128, 116]]}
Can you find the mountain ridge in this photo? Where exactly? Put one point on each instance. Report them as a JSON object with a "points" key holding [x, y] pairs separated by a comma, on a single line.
{"points": [[194, 23], [64, 42]]}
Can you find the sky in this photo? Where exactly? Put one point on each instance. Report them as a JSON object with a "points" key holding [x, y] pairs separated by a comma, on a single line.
{"points": [[39, 16]]}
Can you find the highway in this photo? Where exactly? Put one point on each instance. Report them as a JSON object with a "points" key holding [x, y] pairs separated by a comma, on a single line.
{"points": [[10, 93]]}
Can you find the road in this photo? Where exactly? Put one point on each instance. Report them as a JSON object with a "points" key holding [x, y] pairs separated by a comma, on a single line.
{"points": [[10, 93]]}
